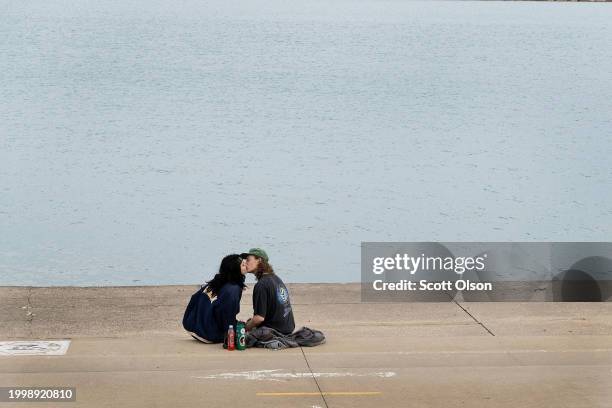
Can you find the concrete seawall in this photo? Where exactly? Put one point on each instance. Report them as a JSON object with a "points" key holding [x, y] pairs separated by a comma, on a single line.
{"points": [[128, 348]]}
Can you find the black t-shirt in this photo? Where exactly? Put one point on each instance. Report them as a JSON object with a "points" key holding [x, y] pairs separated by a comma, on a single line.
{"points": [[271, 301]]}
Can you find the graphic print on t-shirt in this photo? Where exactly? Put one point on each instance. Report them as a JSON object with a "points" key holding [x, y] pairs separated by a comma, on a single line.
{"points": [[282, 294]]}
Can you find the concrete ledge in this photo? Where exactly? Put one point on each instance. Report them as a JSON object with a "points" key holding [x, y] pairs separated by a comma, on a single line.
{"points": [[144, 310], [128, 348]]}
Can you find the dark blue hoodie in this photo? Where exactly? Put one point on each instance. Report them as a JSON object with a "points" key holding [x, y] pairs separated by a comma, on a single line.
{"points": [[211, 320]]}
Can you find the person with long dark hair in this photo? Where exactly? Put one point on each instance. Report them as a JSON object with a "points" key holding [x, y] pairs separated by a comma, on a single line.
{"points": [[213, 308]]}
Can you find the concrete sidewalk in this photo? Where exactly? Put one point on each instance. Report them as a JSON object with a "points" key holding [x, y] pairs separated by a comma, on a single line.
{"points": [[128, 349]]}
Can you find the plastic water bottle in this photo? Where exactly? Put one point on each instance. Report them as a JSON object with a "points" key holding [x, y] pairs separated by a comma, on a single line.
{"points": [[231, 344]]}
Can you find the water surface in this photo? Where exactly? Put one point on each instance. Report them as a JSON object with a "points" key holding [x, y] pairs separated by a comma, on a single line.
{"points": [[141, 142]]}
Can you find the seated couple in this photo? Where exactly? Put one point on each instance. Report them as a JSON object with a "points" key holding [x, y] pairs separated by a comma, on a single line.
{"points": [[214, 307]]}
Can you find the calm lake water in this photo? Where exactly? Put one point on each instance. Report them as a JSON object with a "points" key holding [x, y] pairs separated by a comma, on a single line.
{"points": [[141, 141]]}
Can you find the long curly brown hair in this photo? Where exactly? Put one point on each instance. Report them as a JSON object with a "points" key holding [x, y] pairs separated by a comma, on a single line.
{"points": [[262, 268]]}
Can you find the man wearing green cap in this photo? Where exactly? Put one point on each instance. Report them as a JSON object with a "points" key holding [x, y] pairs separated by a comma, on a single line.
{"points": [[271, 305]]}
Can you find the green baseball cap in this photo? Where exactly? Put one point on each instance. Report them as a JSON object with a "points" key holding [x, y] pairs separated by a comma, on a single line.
{"points": [[258, 252]]}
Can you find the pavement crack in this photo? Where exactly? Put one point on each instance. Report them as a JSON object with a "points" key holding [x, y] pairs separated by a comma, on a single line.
{"points": [[314, 377], [476, 320], [29, 314]]}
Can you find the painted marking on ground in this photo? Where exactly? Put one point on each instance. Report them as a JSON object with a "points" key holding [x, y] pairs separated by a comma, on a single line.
{"points": [[325, 393], [280, 375], [34, 347]]}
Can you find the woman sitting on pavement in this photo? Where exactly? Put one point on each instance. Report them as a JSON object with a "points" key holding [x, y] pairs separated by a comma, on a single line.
{"points": [[213, 308]]}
